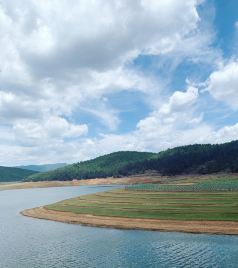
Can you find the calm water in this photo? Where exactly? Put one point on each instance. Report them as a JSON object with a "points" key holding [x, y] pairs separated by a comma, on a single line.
{"points": [[31, 243]]}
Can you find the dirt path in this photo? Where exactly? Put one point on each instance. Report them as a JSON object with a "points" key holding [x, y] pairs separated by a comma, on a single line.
{"points": [[210, 227]]}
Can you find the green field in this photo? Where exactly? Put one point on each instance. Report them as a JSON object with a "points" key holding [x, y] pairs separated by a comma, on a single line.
{"points": [[155, 205], [212, 185]]}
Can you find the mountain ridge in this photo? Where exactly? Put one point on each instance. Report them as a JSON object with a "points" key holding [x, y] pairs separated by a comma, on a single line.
{"points": [[102, 166], [11, 174], [188, 159], [43, 167]]}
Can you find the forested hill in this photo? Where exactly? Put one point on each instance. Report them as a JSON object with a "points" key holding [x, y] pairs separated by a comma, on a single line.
{"points": [[8, 174], [191, 159], [103, 166]]}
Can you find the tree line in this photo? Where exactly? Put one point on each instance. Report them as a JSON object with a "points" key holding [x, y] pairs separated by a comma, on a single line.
{"points": [[190, 159]]}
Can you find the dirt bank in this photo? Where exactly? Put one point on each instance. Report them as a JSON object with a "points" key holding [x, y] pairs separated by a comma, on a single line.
{"points": [[209, 227], [106, 181]]}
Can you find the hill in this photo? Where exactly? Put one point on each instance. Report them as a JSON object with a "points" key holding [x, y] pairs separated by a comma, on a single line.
{"points": [[43, 168], [103, 166], [8, 174], [190, 159]]}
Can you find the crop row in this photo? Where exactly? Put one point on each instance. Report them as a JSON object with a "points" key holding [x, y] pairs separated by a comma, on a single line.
{"points": [[199, 187]]}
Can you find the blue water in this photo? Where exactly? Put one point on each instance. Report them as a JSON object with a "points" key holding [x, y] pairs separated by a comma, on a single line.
{"points": [[31, 243]]}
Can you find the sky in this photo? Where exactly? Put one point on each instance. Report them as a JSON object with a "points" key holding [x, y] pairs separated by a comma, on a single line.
{"points": [[79, 79]]}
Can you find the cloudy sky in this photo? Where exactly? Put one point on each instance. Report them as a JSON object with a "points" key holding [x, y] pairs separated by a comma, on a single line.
{"points": [[83, 78]]}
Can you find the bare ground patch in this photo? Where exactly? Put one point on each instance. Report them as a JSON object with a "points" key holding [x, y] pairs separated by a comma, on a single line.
{"points": [[210, 227]]}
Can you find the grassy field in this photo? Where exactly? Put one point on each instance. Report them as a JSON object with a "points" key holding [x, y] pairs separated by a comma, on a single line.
{"points": [[155, 205], [212, 185]]}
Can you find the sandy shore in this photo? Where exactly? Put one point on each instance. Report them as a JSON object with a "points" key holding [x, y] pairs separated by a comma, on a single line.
{"points": [[103, 181], [209, 227], [145, 178]]}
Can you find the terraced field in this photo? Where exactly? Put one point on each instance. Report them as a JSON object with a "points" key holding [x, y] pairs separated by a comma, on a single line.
{"points": [[222, 205]]}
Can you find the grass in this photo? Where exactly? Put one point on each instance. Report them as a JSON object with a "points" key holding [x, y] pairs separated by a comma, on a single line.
{"points": [[155, 205], [225, 184]]}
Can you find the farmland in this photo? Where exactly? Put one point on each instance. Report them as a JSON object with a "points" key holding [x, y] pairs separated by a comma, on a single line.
{"points": [[206, 205], [227, 184], [155, 205]]}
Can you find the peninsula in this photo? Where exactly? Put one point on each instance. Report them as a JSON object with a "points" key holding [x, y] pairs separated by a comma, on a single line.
{"points": [[208, 206]]}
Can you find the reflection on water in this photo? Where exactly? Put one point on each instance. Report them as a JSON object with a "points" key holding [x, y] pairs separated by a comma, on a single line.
{"points": [[26, 242]]}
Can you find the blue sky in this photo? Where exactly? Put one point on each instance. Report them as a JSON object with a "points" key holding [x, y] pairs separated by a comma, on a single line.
{"points": [[224, 22], [76, 83]]}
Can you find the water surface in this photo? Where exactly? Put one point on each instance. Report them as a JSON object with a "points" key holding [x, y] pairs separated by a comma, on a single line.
{"points": [[33, 243]]}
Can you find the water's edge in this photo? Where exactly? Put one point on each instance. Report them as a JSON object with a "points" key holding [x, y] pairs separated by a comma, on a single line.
{"points": [[28, 242], [194, 227]]}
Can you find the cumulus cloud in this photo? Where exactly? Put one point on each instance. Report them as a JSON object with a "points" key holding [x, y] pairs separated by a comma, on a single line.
{"points": [[60, 58], [53, 129], [223, 84], [58, 35], [12, 107], [180, 100], [175, 123]]}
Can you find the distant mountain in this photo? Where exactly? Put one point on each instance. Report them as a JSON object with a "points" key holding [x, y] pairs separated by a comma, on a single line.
{"points": [[9, 174], [43, 168], [103, 166]]}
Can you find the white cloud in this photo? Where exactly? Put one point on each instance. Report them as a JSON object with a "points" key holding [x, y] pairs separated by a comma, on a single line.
{"points": [[58, 55], [180, 100], [55, 37], [53, 129], [175, 123], [61, 57], [227, 133], [13, 107], [223, 84]]}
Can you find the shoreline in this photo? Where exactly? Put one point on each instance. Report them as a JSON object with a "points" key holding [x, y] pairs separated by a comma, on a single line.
{"points": [[196, 227], [86, 182], [146, 178]]}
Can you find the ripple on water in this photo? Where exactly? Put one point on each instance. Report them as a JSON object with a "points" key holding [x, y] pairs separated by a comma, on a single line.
{"points": [[32, 243]]}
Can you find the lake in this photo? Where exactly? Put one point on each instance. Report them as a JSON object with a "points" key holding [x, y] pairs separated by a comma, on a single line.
{"points": [[33, 243]]}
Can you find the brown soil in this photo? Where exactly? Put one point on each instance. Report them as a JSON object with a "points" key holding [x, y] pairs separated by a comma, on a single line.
{"points": [[211, 227], [105, 181], [143, 178]]}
